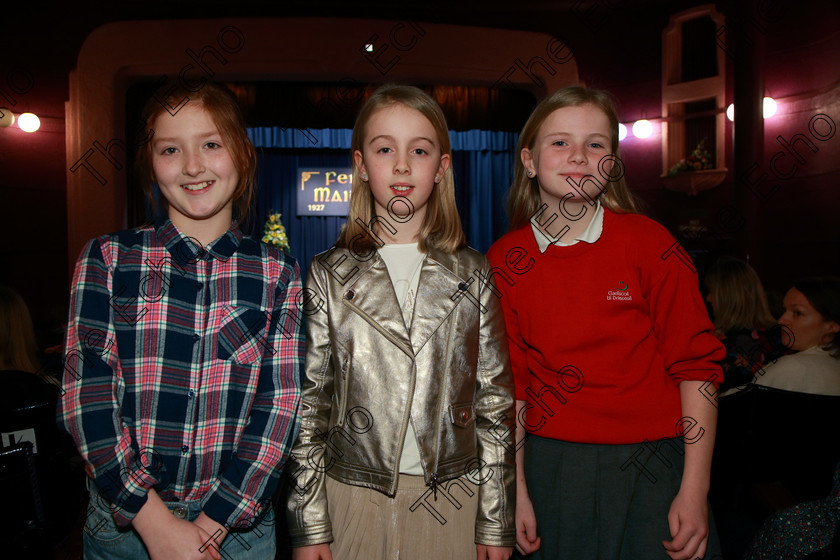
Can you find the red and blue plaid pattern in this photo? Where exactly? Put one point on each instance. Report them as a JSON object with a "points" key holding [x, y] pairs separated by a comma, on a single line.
{"points": [[181, 369]]}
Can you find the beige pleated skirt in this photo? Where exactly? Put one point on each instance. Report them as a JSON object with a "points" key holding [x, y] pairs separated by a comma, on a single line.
{"points": [[412, 525]]}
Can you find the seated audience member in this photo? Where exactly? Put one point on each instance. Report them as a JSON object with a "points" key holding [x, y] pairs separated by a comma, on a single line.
{"points": [[812, 321], [25, 397], [776, 444], [27, 414], [742, 320]]}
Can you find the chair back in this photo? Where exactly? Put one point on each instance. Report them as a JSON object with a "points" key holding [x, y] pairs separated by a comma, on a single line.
{"points": [[23, 520], [767, 435]]}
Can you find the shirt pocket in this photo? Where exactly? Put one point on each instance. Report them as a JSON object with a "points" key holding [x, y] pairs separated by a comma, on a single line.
{"points": [[463, 414], [242, 334]]}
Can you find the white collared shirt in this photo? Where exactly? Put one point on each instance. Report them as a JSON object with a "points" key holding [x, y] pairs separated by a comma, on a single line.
{"points": [[590, 235]]}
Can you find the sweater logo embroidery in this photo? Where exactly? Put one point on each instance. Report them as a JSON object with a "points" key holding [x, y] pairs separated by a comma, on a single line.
{"points": [[620, 293]]}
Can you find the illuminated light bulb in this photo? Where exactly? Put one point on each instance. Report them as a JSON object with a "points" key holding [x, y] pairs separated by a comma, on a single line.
{"points": [[769, 107], [7, 118], [28, 122], [622, 132], [642, 128]]}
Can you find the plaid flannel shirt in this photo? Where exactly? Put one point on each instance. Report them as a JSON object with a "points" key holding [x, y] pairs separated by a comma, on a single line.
{"points": [[181, 369]]}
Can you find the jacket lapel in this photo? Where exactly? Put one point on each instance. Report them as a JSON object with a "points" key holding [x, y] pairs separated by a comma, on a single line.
{"points": [[374, 298], [433, 304]]}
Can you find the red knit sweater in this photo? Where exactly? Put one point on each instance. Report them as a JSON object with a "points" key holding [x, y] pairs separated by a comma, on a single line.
{"points": [[602, 334]]}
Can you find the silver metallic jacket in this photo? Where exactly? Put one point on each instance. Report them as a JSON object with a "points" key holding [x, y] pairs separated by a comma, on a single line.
{"points": [[366, 374]]}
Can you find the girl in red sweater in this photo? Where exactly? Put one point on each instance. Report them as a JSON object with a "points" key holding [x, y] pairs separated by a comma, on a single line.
{"points": [[612, 352]]}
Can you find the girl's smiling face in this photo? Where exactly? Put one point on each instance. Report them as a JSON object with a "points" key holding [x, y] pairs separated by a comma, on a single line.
{"points": [[402, 158], [808, 326], [194, 169], [570, 144]]}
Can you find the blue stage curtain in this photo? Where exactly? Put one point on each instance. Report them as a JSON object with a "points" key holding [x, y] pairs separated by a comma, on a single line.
{"points": [[483, 163]]}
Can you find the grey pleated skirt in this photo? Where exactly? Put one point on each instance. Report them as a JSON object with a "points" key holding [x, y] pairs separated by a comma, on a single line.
{"points": [[605, 502]]}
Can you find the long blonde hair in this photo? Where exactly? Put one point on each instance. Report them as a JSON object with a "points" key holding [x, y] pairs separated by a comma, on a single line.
{"points": [[17, 337], [738, 298], [524, 195], [441, 226]]}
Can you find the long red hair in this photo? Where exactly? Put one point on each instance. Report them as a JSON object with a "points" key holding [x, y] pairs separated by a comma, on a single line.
{"points": [[227, 116]]}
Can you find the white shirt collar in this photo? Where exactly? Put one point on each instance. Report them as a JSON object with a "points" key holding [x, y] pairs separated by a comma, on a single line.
{"points": [[590, 235]]}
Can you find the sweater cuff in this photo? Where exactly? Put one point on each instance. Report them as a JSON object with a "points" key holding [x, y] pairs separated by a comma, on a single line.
{"points": [[713, 377], [124, 498], [229, 508]]}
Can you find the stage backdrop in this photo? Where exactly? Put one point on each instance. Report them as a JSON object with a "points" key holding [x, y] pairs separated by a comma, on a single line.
{"points": [[483, 163]]}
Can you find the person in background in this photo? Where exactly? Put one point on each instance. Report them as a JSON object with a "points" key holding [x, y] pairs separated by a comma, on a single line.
{"points": [[23, 392], [742, 320], [17, 337], [812, 329], [777, 432], [27, 414]]}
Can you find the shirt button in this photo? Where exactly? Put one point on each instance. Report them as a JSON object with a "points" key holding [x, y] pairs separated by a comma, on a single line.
{"points": [[199, 286], [196, 338], [349, 294], [184, 449], [179, 511], [463, 286], [191, 393]]}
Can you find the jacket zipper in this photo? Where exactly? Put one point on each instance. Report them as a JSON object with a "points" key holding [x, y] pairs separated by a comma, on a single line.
{"points": [[379, 328], [433, 482], [433, 485], [343, 394], [406, 416]]}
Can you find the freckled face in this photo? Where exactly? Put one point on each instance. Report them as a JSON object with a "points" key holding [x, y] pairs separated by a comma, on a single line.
{"points": [[193, 168], [569, 145], [402, 157], [809, 327]]}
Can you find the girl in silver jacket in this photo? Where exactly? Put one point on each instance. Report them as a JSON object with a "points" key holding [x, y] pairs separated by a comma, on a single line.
{"points": [[406, 442]]}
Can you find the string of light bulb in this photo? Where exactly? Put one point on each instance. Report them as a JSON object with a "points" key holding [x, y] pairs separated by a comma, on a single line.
{"points": [[27, 122], [643, 128]]}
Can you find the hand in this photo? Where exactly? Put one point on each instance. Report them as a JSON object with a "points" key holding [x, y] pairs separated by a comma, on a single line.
{"points": [[688, 521], [168, 538], [484, 552], [216, 530], [312, 552], [527, 540], [179, 539]]}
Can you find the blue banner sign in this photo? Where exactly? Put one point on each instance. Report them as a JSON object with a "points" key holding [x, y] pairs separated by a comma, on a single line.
{"points": [[324, 191]]}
